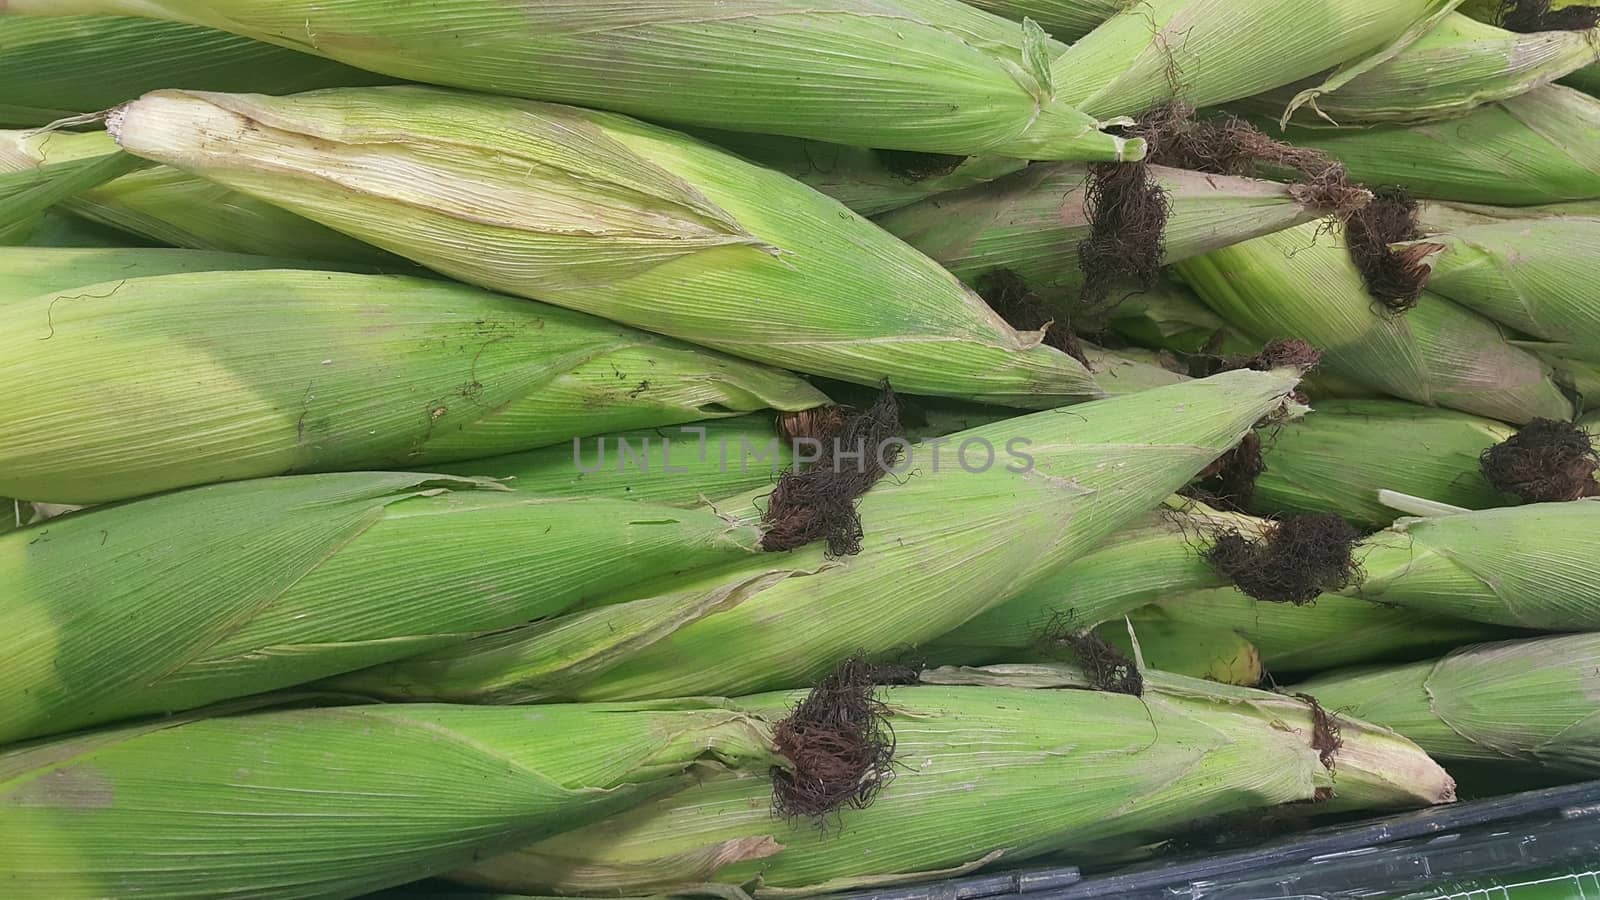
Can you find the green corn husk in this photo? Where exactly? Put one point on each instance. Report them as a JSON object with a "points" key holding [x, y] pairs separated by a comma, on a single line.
{"points": [[1131, 370], [1031, 223], [295, 371], [1334, 631], [1157, 556], [1338, 458], [55, 68], [929, 75], [1215, 654], [1458, 66], [30, 272], [1531, 566], [1206, 52], [870, 182], [1443, 217], [779, 623], [1025, 770], [1540, 147], [1066, 20], [28, 192], [1301, 283], [1586, 79], [297, 803], [171, 207], [1169, 316], [613, 217], [1529, 702], [55, 229], [185, 599], [1535, 276]]}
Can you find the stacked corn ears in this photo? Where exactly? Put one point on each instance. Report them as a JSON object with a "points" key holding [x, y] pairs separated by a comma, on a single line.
{"points": [[605, 449]]}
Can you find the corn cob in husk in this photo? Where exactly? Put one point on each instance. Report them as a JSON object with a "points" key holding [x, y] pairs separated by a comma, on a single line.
{"points": [[1338, 458], [1331, 632], [1535, 276], [998, 768], [1065, 20], [28, 192], [1131, 370], [1300, 283], [171, 207], [1031, 223], [185, 599], [1525, 701], [1540, 147], [29, 272], [930, 75], [1458, 66], [614, 217], [868, 181], [1532, 566], [299, 371], [55, 68], [1206, 52], [1157, 556], [778, 623], [336, 802]]}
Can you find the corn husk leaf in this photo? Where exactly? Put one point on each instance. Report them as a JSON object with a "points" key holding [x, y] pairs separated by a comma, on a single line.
{"points": [[30, 272], [928, 75], [296, 803], [1443, 217], [1169, 316], [1131, 370], [1535, 276], [1458, 66], [1066, 20], [55, 68], [1540, 147], [1031, 223], [868, 181], [617, 218], [1300, 283], [26, 194], [1338, 458], [1206, 52], [1529, 702], [1214, 654], [1000, 759], [1531, 566], [298, 371], [921, 572], [171, 207], [54, 229], [1334, 631], [185, 599]]}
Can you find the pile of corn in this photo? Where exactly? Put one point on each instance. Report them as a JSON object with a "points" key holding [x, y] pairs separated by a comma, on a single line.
{"points": [[781, 447]]}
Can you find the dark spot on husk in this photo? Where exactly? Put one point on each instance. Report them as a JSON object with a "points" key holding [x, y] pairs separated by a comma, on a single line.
{"points": [[821, 423], [839, 745], [820, 502], [911, 166], [1299, 558], [1530, 16], [1106, 668], [1023, 309], [1230, 481], [1325, 733], [1394, 278], [1546, 461]]}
